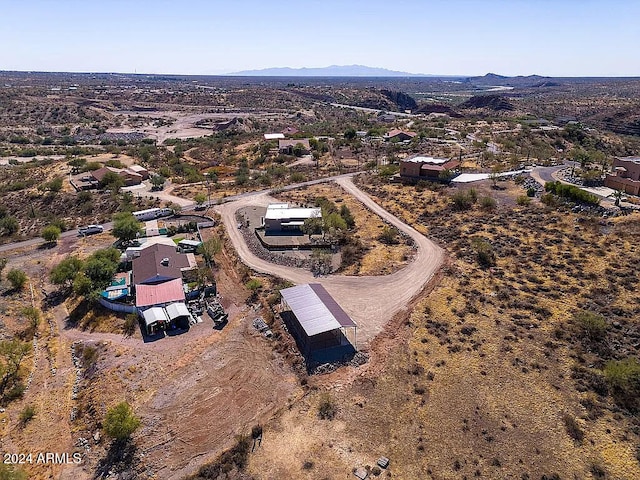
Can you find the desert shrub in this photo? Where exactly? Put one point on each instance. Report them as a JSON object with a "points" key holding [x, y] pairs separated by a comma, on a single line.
{"points": [[573, 428], [253, 284], [327, 408], [235, 457], [488, 203], [623, 377], [27, 413], [89, 355], [484, 252], [590, 325], [549, 200], [598, 471], [9, 472], [571, 192], [130, 324], [297, 177], [389, 235], [531, 192], [307, 465], [120, 422], [462, 200], [523, 200], [375, 471], [17, 278]]}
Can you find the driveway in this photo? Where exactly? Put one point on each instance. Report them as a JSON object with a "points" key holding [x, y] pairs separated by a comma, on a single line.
{"points": [[370, 300]]}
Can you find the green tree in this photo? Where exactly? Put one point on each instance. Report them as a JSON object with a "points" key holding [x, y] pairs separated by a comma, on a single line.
{"points": [[51, 234], [27, 413], [254, 284], [484, 252], [17, 278], [120, 422], [200, 198], [54, 185], [101, 267], [82, 284], [617, 195], [334, 221], [112, 181], [210, 248], [126, 227], [312, 226], [12, 353], [345, 213], [65, 272], [158, 181], [299, 149], [350, 133]]}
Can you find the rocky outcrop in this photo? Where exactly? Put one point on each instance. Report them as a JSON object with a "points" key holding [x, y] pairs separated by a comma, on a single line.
{"points": [[491, 102]]}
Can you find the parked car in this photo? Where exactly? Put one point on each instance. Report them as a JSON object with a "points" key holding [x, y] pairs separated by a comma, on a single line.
{"points": [[90, 230]]}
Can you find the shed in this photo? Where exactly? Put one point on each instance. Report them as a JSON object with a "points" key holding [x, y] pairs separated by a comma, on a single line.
{"points": [[319, 321], [188, 246], [178, 314], [154, 318]]}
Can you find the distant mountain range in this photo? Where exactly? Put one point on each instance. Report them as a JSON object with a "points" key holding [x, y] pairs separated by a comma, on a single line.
{"points": [[331, 71]]}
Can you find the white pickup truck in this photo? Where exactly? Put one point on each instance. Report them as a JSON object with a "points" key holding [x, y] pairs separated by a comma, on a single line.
{"points": [[90, 230]]}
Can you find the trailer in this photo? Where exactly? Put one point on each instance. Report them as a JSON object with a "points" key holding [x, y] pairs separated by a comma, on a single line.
{"points": [[152, 213]]}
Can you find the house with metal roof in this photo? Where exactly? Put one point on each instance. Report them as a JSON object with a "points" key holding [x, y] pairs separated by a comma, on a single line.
{"points": [[159, 294], [316, 319]]}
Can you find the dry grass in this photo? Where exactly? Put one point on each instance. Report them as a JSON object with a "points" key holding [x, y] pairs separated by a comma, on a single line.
{"points": [[479, 384], [378, 259]]}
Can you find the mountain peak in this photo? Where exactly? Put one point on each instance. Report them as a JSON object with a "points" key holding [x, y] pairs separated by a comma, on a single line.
{"points": [[330, 71]]}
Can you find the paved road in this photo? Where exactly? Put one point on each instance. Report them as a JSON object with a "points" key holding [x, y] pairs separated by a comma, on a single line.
{"points": [[370, 300]]}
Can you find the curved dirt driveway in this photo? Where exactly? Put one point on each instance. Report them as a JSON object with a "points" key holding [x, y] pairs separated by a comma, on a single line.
{"points": [[371, 301]]}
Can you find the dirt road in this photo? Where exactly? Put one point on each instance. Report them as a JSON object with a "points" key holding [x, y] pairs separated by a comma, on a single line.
{"points": [[371, 301]]}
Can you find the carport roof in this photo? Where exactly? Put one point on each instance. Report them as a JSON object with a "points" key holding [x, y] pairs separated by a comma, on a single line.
{"points": [[153, 315], [316, 310], [176, 310]]}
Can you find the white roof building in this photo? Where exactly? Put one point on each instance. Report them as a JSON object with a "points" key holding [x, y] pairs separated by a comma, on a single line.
{"points": [[280, 216], [274, 136], [422, 159]]}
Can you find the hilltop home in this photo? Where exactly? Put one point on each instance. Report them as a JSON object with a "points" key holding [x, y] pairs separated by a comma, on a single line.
{"points": [[398, 135], [280, 217], [425, 168], [128, 176], [287, 146], [625, 176]]}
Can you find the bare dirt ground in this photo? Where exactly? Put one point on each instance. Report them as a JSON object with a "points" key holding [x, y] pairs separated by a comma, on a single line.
{"points": [[478, 382], [193, 391], [365, 298]]}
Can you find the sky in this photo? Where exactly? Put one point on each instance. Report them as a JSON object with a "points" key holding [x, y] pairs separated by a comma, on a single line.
{"points": [[211, 37]]}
